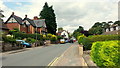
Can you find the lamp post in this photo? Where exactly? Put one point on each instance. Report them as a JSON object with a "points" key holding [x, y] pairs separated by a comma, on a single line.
{"points": [[36, 33]]}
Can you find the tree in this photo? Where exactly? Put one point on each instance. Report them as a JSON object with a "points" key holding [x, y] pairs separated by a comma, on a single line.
{"points": [[97, 28], [48, 14], [78, 31], [97, 24], [105, 25], [117, 22], [110, 22], [60, 29]]}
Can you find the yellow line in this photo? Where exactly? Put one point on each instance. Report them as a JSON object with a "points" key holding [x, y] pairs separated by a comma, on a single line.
{"points": [[52, 61]]}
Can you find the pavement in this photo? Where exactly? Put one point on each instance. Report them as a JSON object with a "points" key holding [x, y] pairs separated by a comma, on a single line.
{"points": [[35, 56], [71, 57]]}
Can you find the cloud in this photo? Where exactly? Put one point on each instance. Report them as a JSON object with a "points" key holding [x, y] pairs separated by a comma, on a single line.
{"points": [[70, 15]]}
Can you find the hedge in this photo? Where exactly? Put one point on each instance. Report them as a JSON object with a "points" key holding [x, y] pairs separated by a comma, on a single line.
{"points": [[24, 35], [106, 54], [87, 41]]}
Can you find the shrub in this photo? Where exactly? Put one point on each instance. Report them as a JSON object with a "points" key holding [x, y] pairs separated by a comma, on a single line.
{"points": [[53, 38], [83, 40], [30, 40], [24, 35], [80, 39], [106, 54], [44, 37], [8, 39], [59, 37], [87, 41]]}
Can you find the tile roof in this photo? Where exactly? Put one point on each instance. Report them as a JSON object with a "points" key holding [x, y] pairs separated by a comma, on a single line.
{"points": [[112, 32], [30, 21], [18, 19], [40, 23]]}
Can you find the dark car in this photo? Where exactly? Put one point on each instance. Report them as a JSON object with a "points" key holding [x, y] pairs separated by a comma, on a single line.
{"points": [[71, 41]]}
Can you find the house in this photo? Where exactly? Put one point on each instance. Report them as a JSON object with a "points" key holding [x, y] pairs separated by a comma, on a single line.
{"points": [[113, 29], [40, 25], [13, 22], [26, 25], [63, 34]]}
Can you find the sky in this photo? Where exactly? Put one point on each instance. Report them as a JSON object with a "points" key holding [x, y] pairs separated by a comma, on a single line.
{"points": [[70, 14]]}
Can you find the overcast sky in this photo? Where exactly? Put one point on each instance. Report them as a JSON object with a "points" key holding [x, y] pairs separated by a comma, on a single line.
{"points": [[70, 14]]}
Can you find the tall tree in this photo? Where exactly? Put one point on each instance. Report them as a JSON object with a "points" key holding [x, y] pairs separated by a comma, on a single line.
{"points": [[97, 28], [78, 31], [117, 22], [48, 14]]}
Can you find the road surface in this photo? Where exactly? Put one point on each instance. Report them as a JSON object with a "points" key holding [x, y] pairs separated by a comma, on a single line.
{"points": [[36, 56]]}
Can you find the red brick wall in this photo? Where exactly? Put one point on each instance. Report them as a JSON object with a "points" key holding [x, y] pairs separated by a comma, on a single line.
{"points": [[39, 30], [23, 28], [11, 26], [31, 29]]}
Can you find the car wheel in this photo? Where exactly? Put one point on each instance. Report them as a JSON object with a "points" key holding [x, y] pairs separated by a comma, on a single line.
{"points": [[24, 46]]}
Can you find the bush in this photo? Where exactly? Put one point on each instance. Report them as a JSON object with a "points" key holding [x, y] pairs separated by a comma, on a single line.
{"points": [[106, 54], [80, 39], [59, 37], [8, 39], [83, 40], [24, 35], [53, 38], [87, 41], [30, 40]]}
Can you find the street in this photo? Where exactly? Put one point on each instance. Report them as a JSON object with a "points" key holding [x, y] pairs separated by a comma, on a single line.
{"points": [[36, 56]]}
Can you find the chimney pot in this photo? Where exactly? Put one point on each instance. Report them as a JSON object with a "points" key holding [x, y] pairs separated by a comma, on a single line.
{"points": [[12, 13], [25, 16], [35, 18]]}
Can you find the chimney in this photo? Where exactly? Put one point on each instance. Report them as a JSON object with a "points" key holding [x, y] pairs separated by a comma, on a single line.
{"points": [[12, 13], [35, 18], [25, 16]]}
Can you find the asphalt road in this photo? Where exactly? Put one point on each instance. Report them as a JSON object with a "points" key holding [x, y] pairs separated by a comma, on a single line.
{"points": [[36, 56]]}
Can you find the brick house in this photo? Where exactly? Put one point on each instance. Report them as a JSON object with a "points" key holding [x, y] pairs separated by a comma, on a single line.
{"points": [[41, 26], [26, 25], [13, 22]]}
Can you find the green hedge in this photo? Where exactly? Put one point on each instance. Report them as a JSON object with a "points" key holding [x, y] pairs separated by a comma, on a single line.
{"points": [[87, 41], [24, 35], [106, 54]]}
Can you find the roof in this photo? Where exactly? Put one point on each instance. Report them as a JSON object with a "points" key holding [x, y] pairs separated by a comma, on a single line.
{"points": [[112, 32], [40, 23], [30, 21], [18, 19]]}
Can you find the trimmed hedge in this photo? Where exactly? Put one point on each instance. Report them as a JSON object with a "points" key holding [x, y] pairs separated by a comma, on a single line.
{"points": [[24, 35], [106, 54], [87, 41]]}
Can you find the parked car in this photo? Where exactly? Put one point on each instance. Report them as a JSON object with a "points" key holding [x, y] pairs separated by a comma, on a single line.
{"points": [[74, 40], [62, 40], [25, 44], [71, 41]]}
